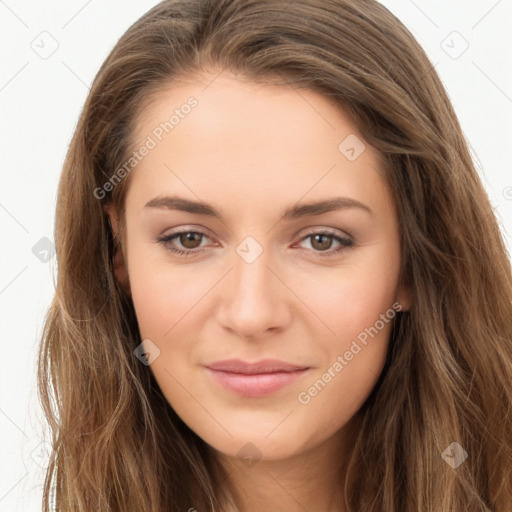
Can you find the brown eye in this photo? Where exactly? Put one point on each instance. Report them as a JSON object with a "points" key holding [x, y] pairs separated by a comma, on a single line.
{"points": [[183, 243], [321, 241], [190, 239]]}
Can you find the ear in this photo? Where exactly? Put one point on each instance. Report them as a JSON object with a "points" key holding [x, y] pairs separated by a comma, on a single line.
{"points": [[120, 268]]}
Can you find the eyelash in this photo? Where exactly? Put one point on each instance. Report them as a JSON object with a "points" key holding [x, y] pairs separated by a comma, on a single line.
{"points": [[344, 242]]}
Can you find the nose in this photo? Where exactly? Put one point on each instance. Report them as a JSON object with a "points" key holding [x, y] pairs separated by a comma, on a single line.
{"points": [[253, 301]]}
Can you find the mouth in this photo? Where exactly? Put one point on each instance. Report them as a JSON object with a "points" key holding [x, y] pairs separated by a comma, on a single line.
{"points": [[255, 379]]}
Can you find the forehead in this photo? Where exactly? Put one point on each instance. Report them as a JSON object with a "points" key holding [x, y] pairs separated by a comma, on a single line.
{"points": [[227, 102], [252, 143]]}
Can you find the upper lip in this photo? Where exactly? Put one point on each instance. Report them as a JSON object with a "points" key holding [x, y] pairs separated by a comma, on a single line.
{"points": [[263, 366]]}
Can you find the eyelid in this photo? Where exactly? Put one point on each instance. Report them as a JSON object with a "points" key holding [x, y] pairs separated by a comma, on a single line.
{"points": [[310, 231], [327, 231], [186, 229]]}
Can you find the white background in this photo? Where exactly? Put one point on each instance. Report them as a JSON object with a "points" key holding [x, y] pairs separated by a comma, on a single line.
{"points": [[40, 100]]}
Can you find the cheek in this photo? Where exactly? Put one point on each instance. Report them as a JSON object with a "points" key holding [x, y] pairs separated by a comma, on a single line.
{"points": [[351, 298], [163, 294], [358, 313], [355, 303], [358, 309]]}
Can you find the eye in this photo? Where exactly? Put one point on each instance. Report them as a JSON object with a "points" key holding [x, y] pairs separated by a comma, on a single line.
{"points": [[321, 242], [188, 239]]}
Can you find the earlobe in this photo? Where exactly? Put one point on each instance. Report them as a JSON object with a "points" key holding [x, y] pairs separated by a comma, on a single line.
{"points": [[119, 264]]}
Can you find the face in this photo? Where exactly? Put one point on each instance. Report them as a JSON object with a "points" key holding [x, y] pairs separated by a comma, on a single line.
{"points": [[258, 272]]}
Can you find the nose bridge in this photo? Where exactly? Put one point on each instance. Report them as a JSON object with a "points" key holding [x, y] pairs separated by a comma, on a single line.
{"points": [[251, 301], [251, 278]]}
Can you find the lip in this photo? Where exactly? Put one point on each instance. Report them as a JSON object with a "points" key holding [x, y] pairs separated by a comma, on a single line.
{"points": [[255, 379]]}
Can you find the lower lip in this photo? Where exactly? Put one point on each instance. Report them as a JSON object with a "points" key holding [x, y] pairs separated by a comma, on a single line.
{"points": [[256, 385]]}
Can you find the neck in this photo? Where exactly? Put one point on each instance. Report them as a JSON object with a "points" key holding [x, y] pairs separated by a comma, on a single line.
{"points": [[309, 480]]}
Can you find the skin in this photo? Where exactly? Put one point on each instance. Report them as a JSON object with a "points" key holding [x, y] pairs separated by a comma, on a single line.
{"points": [[251, 151]]}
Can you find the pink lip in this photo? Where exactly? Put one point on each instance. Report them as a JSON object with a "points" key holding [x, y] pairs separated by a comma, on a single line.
{"points": [[255, 379]]}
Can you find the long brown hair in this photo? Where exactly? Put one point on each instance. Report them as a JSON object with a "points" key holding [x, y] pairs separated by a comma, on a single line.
{"points": [[117, 444]]}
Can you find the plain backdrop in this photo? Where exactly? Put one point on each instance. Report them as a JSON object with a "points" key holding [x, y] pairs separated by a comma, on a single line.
{"points": [[51, 52]]}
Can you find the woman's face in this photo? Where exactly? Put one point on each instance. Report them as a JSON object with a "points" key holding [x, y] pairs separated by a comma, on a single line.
{"points": [[269, 275]]}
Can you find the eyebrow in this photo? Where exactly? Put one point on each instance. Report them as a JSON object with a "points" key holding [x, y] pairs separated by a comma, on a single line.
{"points": [[294, 212]]}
